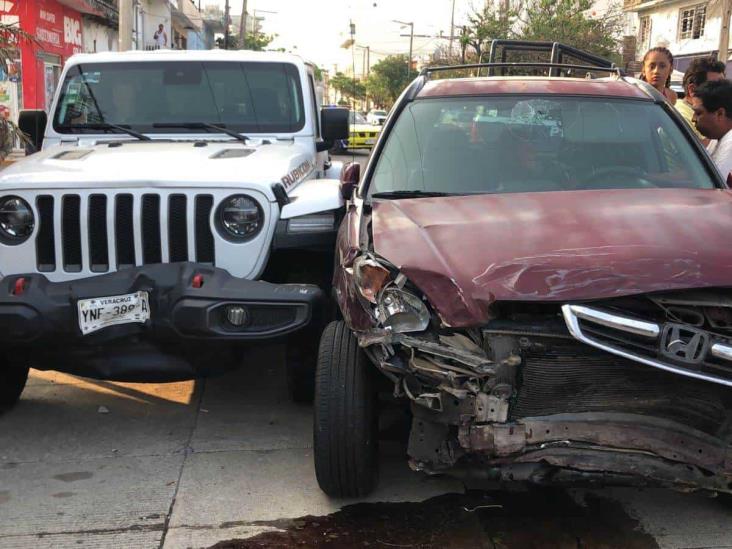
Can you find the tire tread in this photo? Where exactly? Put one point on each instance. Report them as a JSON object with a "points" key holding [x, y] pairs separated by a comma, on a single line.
{"points": [[344, 436]]}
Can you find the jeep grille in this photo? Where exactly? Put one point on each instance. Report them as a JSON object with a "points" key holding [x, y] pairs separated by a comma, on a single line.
{"points": [[122, 230]]}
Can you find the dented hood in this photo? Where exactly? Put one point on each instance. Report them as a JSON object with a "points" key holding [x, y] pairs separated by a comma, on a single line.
{"points": [[466, 252]]}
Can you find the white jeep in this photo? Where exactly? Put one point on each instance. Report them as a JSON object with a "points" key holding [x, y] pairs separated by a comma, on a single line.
{"points": [[181, 206]]}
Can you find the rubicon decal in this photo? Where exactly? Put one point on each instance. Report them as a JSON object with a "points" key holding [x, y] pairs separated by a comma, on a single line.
{"points": [[297, 174]]}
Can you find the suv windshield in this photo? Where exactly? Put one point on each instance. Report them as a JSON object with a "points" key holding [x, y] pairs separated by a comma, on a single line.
{"points": [[523, 144], [245, 97], [357, 118]]}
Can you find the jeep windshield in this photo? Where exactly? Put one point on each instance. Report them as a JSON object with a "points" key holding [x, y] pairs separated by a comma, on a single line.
{"points": [[172, 96], [514, 144]]}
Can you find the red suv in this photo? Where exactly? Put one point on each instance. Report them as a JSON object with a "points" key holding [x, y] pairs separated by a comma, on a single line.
{"points": [[548, 287]]}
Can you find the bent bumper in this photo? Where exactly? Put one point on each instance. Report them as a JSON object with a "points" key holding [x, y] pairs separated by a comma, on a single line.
{"points": [[47, 311], [40, 320]]}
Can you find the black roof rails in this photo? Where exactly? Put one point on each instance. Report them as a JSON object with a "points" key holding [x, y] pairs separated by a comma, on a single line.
{"points": [[556, 52]]}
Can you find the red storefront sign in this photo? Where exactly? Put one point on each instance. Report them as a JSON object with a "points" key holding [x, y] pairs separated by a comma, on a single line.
{"points": [[57, 28]]}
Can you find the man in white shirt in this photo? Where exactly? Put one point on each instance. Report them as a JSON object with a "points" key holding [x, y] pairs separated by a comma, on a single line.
{"points": [[161, 37], [712, 104], [700, 70]]}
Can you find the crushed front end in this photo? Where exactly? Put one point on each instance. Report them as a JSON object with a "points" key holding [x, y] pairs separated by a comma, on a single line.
{"points": [[629, 391]]}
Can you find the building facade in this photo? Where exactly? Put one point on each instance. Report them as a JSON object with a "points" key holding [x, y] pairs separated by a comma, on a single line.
{"points": [[182, 22], [689, 28], [34, 73]]}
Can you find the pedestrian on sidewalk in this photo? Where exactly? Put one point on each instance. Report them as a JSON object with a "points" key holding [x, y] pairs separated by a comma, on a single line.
{"points": [[712, 104], [161, 37], [701, 70], [658, 63]]}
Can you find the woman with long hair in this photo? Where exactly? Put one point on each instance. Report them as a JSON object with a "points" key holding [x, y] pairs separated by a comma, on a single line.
{"points": [[658, 64]]}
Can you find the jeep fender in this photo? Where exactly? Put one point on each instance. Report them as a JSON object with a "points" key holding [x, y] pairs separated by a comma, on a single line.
{"points": [[313, 196]]}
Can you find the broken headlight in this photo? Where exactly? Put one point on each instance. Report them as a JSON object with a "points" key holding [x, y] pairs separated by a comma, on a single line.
{"points": [[401, 311], [370, 277]]}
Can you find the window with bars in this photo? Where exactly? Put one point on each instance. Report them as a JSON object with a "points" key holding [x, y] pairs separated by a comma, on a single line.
{"points": [[691, 22], [644, 35]]}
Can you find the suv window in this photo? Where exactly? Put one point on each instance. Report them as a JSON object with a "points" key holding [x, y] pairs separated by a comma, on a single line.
{"points": [[246, 97], [522, 144]]}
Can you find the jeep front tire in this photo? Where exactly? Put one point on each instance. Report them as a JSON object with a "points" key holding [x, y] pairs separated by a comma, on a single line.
{"points": [[12, 382], [345, 437]]}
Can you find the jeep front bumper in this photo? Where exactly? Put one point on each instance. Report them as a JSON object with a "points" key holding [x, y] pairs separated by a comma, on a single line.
{"points": [[188, 306]]}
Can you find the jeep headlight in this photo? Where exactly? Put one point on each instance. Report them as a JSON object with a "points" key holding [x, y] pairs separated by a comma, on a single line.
{"points": [[239, 218], [402, 311], [16, 220]]}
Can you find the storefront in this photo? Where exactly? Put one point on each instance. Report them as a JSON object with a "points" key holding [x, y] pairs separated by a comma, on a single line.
{"points": [[57, 27]]}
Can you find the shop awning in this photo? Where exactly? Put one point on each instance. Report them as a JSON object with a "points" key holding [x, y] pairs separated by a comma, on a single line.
{"points": [[99, 8]]}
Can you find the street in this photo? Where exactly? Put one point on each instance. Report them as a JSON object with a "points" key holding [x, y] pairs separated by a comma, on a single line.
{"points": [[193, 464]]}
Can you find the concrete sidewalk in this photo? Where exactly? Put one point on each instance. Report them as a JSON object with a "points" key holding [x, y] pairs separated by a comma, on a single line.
{"points": [[95, 464]]}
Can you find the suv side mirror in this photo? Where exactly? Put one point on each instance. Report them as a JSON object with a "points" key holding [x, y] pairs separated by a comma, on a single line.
{"points": [[350, 177], [334, 124], [33, 124]]}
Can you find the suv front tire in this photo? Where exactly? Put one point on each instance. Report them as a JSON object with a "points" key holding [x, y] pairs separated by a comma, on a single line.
{"points": [[345, 435]]}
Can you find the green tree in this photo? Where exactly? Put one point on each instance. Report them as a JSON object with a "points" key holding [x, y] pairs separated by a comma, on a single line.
{"points": [[387, 79], [568, 22], [253, 42], [565, 21], [347, 86], [486, 24]]}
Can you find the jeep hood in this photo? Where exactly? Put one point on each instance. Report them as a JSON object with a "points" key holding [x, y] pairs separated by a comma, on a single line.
{"points": [[467, 252], [162, 163]]}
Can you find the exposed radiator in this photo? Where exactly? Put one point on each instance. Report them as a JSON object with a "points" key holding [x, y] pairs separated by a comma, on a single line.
{"points": [[571, 378]]}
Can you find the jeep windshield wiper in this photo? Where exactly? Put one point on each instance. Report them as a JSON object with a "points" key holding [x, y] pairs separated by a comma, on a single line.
{"points": [[411, 194], [107, 126], [202, 126]]}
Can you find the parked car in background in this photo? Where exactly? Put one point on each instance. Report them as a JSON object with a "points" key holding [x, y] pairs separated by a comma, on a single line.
{"points": [[376, 117], [547, 287], [361, 134]]}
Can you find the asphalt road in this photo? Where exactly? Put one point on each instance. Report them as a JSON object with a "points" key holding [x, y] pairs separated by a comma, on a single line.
{"points": [[228, 461]]}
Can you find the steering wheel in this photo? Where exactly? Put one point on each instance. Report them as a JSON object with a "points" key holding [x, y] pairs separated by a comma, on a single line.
{"points": [[607, 176]]}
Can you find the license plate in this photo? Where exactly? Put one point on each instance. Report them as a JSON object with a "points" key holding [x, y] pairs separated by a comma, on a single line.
{"points": [[370, 141], [101, 312]]}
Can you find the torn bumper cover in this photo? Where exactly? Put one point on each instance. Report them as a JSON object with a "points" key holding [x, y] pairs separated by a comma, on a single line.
{"points": [[476, 399], [189, 303], [643, 450]]}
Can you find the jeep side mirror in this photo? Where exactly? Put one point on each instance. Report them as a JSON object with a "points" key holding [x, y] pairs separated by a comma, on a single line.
{"points": [[350, 177], [33, 124], [334, 124]]}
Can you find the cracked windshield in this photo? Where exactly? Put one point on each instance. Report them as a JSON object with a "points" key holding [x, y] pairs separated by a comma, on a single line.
{"points": [[365, 273]]}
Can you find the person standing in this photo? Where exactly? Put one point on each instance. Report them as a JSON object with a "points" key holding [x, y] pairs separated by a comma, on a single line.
{"points": [[658, 63], [160, 37], [701, 70], [712, 104]]}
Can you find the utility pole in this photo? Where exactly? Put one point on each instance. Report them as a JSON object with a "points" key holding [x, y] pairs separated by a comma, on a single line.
{"points": [[452, 30], [125, 25], [724, 35], [243, 25], [226, 25], [411, 40]]}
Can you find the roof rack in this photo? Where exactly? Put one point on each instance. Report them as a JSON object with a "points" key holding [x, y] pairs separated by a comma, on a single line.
{"points": [[557, 53]]}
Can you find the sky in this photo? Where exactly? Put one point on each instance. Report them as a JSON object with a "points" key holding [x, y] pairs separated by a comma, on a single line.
{"points": [[315, 29]]}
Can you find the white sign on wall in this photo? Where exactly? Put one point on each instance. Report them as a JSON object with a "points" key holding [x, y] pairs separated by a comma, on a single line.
{"points": [[72, 31]]}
